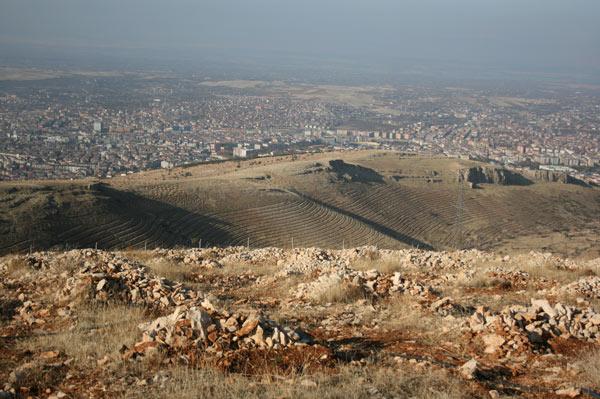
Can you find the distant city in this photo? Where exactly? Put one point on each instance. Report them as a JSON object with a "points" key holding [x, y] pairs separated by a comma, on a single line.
{"points": [[81, 126]]}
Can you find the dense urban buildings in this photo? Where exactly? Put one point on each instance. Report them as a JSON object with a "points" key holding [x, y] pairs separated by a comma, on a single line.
{"points": [[106, 126]]}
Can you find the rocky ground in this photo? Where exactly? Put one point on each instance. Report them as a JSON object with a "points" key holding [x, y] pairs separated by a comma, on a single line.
{"points": [[360, 322]]}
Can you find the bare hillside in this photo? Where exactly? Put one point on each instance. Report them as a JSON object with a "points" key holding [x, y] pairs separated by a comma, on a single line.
{"points": [[331, 200]]}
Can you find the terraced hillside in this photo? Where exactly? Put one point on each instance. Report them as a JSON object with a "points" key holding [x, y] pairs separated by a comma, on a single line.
{"points": [[328, 200]]}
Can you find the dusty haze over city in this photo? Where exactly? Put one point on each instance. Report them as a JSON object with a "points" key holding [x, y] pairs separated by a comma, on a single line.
{"points": [[467, 36]]}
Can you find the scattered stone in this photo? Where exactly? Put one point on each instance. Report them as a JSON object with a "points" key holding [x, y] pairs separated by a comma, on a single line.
{"points": [[469, 369], [108, 277], [308, 384], [103, 361], [49, 355], [492, 342], [589, 287], [570, 392]]}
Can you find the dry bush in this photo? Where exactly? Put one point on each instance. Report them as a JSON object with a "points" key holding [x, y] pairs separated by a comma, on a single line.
{"points": [[280, 288], [99, 331], [371, 253], [339, 293], [15, 265], [349, 383], [234, 268], [8, 307], [482, 280], [168, 269]]}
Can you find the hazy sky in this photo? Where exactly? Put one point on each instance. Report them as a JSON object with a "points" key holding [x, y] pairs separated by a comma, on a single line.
{"points": [[543, 34]]}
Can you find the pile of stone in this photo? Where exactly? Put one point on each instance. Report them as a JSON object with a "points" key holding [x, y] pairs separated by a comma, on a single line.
{"points": [[47, 260], [588, 287], [193, 331], [207, 258], [458, 260], [546, 259], [518, 327], [305, 260], [513, 278], [447, 307], [30, 287], [371, 282], [309, 261], [235, 255], [369, 252], [510, 275], [408, 286], [31, 313], [108, 277]]}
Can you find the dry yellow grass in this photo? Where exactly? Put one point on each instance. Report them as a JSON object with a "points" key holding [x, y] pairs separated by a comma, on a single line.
{"points": [[482, 280], [168, 269], [590, 369], [403, 313], [550, 271], [100, 331], [350, 382]]}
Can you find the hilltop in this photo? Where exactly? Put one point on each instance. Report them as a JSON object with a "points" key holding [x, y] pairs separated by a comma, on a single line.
{"points": [[331, 200], [358, 322]]}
